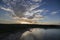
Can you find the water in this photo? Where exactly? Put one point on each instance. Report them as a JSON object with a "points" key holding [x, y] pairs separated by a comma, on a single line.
{"points": [[43, 34]]}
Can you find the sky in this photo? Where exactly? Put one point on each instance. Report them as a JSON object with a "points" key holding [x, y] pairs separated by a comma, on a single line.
{"points": [[30, 11]]}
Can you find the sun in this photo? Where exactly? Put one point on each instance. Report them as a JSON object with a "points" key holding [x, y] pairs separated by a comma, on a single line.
{"points": [[26, 21]]}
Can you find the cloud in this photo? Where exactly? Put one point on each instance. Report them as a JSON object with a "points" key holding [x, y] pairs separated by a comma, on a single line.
{"points": [[37, 0], [22, 7], [33, 12], [38, 17], [34, 7], [53, 13], [38, 11], [7, 16], [8, 10]]}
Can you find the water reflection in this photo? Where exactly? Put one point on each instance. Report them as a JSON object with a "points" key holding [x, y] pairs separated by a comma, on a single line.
{"points": [[41, 34]]}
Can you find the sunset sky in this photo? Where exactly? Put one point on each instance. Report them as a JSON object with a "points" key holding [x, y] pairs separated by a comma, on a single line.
{"points": [[30, 11]]}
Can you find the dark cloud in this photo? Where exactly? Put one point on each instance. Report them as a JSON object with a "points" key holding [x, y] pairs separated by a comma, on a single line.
{"points": [[19, 6]]}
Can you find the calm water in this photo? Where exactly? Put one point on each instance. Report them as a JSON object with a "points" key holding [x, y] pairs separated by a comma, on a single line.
{"points": [[47, 34]]}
